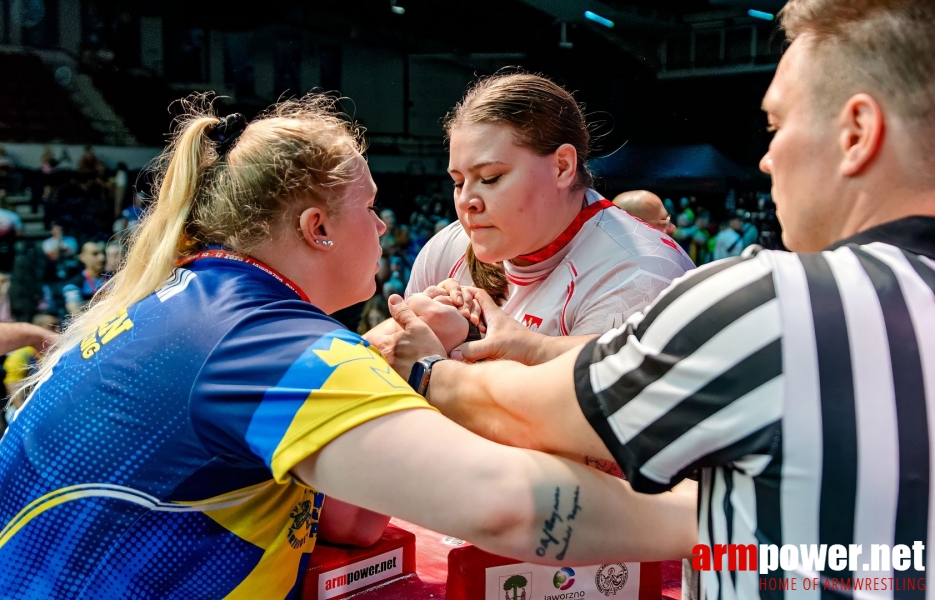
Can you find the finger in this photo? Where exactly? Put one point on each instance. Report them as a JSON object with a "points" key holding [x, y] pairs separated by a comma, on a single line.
{"points": [[488, 307], [434, 291], [454, 290], [402, 314], [446, 300], [475, 312]]}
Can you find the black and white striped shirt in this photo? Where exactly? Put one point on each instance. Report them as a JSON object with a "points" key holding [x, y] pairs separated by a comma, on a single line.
{"points": [[801, 385]]}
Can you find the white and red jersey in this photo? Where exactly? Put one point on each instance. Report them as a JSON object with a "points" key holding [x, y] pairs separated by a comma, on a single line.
{"points": [[604, 267]]}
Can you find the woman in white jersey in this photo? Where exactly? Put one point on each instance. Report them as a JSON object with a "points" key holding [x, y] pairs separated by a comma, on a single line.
{"points": [[557, 256]]}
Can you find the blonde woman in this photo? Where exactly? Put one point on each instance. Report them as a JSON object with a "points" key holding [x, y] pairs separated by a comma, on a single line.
{"points": [[188, 424]]}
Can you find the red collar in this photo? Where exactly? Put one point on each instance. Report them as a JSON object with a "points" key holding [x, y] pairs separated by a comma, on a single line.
{"points": [[569, 234], [231, 255]]}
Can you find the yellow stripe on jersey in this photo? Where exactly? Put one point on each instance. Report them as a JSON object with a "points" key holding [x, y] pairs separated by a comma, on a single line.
{"points": [[262, 522], [361, 388]]}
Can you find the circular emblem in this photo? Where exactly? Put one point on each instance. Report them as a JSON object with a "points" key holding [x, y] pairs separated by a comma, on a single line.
{"points": [[564, 578], [611, 578]]}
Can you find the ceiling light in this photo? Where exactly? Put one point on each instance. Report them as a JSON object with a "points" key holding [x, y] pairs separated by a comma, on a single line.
{"points": [[598, 19], [759, 14]]}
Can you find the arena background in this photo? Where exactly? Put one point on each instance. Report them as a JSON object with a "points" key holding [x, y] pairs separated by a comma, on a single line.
{"points": [[672, 88]]}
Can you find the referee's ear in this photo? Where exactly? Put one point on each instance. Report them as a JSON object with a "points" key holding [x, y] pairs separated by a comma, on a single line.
{"points": [[861, 136]]}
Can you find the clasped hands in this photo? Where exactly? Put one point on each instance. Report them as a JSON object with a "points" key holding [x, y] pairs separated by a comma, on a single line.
{"points": [[436, 322]]}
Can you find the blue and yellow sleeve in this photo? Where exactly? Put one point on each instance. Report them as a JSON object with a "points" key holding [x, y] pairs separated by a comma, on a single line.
{"points": [[278, 390]]}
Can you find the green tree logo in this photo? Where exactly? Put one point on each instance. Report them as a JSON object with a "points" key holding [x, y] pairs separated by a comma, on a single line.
{"points": [[515, 583]]}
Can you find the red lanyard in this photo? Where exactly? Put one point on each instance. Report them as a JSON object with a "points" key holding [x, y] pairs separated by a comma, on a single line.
{"points": [[90, 281], [230, 255], [569, 234]]}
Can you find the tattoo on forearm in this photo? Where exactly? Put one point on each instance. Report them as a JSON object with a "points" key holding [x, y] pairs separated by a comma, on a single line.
{"points": [[607, 466], [559, 523]]}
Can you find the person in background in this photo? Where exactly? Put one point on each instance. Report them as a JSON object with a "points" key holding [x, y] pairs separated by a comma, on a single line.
{"points": [[115, 253], [375, 311], [747, 230], [21, 362], [120, 187], [11, 227], [20, 335], [89, 162], [78, 291], [648, 207], [728, 241]]}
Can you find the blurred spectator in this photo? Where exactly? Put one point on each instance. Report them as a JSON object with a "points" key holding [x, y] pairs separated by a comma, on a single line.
{"points": [[61, 253], [728, 241], [670, 206], [121, 180], [21, 363], [47, 200], [59, 245], [47, 162], [82, 287], [747, 229], [6, 312], [686, 210], [6, 170], [64, 161], [89, 162], [395, 285], [115, 252], [648, 207], [441, 224], [11, 226], [375, 311]]}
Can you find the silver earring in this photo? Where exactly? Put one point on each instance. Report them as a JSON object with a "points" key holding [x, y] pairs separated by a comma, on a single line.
{"points": [[325, 242]]}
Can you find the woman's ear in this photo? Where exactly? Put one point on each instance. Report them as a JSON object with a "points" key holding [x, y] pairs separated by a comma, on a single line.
{"points": [[566, 163], [313, 227]]}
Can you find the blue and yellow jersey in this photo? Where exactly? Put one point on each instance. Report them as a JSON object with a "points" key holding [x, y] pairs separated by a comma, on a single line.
{"points": [[155, 460]]}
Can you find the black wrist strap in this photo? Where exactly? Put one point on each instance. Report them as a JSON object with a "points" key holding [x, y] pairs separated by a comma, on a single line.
{"points": [[473, 333]]}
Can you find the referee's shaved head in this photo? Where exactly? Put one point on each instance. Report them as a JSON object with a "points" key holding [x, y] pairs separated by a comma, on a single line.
{"points": [[642, 204]]}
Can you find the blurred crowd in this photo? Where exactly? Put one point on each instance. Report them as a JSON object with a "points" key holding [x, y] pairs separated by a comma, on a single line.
{"points": [[86, 212]]}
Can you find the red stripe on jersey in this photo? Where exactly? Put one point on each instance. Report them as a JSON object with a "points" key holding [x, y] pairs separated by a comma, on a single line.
{"points": [[455, 268], [569, 234], [669, 242], [524, 282], [571, 292]]}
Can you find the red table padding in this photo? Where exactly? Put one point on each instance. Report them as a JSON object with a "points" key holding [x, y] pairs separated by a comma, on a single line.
{"points": [[336, 572], [430, 578]]}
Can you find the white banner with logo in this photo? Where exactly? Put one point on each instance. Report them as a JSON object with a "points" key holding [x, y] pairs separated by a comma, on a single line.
{"points": [[526, 581], [360, 574]]}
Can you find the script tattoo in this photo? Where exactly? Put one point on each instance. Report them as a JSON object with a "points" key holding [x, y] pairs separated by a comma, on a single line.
{"points": [[553, 525]]}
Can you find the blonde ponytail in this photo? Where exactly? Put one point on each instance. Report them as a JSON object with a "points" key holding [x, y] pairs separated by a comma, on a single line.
{"points": [[159, 240], [490, 277], [298, 153]]}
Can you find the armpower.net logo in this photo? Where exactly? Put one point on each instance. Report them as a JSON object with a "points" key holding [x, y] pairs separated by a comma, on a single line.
{"points": [[877, 570]]}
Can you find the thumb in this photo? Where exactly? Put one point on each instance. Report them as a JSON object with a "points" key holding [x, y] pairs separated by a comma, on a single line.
{"points": [[401, 312], [473, 351]]}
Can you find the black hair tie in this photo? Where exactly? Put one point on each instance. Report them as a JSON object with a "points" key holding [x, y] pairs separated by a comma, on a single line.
{"points": [[226, 131]]}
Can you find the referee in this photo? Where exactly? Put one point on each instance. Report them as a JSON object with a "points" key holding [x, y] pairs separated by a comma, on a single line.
{"points": [[800, 385]]}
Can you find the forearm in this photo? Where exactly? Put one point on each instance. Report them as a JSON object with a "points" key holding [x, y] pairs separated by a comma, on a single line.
{"points": [[470, 395], [568, 514], [517, 405], [545, 348], [421, 467]]}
